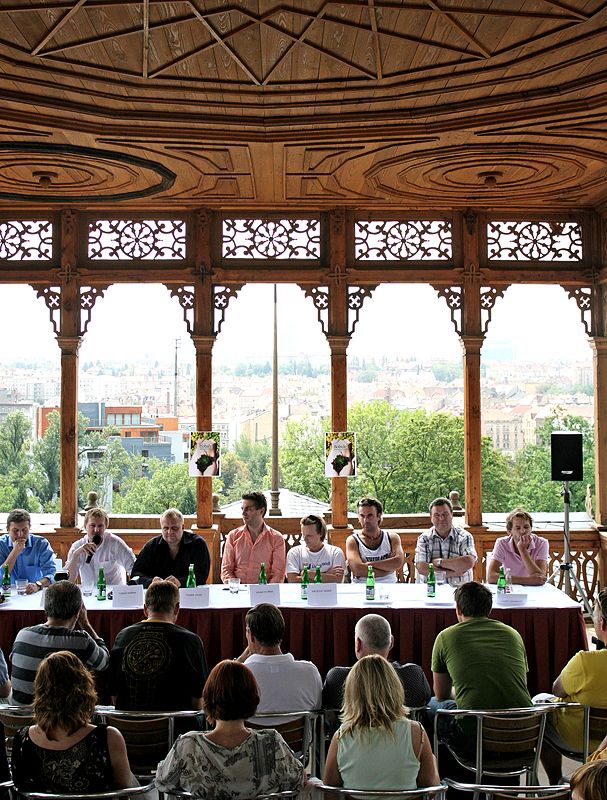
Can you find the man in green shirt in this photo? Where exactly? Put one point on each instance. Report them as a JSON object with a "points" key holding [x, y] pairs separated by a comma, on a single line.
{"points": [[480, 661]]}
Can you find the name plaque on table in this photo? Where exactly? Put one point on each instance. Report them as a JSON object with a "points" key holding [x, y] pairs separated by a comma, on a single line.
{"points": [[511, 599], [264, 593], [196, 597], [127, 596], [322, 594]]}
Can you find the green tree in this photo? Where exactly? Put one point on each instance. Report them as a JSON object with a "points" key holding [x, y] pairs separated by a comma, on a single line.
{"points": [[235, 478], [46, 461], [15, 434], [168, 486], [405, 458], [258, 458]]}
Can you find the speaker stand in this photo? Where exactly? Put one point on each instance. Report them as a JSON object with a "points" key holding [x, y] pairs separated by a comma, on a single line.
{"points": [[566, 567]]}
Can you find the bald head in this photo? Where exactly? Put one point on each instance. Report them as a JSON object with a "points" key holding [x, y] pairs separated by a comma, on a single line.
{"points": [[372, 635]]}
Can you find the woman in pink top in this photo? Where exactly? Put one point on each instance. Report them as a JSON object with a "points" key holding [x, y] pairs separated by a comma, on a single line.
{"points": [[522, 552]]}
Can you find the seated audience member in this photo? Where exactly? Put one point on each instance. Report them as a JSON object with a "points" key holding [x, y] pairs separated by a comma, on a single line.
{"points": [[27, 556], [447, 547], [589, 782], [230, 761], [522, 552], [284, 683], [377, 747], [315, 552], [372, 636], [254, 543], [62, 751], [171, 553], [373, 546], [99, 548], [156, 665], [5, 684], [582, 680], [66, 628], [481, 659]]}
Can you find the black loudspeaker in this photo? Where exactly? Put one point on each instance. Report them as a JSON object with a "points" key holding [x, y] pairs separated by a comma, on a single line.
{"points": [[566, 454]]}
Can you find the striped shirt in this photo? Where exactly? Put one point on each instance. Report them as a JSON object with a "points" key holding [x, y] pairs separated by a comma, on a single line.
{"points": [[33, 644]]}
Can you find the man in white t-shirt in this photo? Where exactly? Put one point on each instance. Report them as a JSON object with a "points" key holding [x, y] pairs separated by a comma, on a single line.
{"points": [[315, 552], [99, 548], [284, 683], [373, 546]]}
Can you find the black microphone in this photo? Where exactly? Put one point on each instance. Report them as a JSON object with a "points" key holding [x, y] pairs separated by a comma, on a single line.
{"points": [[96, 540]]}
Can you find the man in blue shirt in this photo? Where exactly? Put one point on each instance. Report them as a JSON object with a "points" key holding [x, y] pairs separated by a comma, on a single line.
{"points": [[27, 556]]}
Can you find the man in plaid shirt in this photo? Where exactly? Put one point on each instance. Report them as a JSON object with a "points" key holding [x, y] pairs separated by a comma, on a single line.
{"points": [[448, 548]]}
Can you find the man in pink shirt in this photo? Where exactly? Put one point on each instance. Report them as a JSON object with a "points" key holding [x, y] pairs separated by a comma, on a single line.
{"points": [[247, 547]]}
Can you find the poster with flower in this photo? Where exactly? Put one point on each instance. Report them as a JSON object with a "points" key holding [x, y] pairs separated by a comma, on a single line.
{"points": [[340, 454], [204, 454]]}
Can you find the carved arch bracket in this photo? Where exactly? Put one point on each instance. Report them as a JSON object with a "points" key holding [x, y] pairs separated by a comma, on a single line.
{"points": [[88, 297], [584, 298], [489, 297], [454, 297], [221, 300], [186, 297], [52, 299], [320, 298], [356, 298]]}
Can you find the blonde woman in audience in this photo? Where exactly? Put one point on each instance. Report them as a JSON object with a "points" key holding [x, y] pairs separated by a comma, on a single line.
{"points": [[378, 746]]}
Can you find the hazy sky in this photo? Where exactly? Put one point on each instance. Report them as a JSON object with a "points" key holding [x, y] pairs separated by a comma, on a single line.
{"points": [[141, 322]]}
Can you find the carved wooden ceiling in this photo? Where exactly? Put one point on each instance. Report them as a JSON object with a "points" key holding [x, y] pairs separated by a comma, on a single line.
{"points": [[277, 104]]}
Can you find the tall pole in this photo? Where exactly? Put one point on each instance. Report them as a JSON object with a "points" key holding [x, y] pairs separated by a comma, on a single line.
{"points": [[175, 404], [274, 490]]}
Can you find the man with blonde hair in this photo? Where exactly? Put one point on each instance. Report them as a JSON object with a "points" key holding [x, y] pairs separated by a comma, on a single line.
{"points": [[99, 548], [315, 552], [170, 554]]}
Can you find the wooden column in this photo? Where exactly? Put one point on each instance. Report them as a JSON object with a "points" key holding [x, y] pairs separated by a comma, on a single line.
{"points": [[472, 340], [339, 422], [203, 336], [69, 338], [599, 364], [471, 346], [338, 337]]}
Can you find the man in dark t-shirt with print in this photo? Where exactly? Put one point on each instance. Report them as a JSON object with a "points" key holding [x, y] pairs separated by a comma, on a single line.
{"points": [[157, 665]]}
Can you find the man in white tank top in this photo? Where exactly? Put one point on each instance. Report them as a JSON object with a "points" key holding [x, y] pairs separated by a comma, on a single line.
{"points": [[372, 545]]}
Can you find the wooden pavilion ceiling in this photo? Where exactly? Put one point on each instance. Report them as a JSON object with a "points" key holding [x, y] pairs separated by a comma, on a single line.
{"points": [[277, 104]]}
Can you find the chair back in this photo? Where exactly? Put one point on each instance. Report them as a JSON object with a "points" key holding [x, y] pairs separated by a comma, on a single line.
{"points": [[149, 735], [426, 793], [508, 742], [13, 718], [135, 791], [597, 726], [303, 731], [183, 795], [560, 792]]}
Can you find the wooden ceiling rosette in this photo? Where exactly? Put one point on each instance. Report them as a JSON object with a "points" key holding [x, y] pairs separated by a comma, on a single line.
{"points": [[304, 104]]}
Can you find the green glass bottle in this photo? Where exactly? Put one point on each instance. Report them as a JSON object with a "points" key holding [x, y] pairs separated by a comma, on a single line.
{"points": [[370, 592], [305, 580], [101, 587], [501, 582], [262, 574], [6, 582], [191, 579], [317, 576], [431, 582]]}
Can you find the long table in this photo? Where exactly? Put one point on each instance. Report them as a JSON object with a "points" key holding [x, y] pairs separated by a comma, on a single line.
{"points": [[551, 624]]}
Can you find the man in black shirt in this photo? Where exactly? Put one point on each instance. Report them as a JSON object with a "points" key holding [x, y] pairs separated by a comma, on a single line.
{"points": [[171, 553], [156, 665]]}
